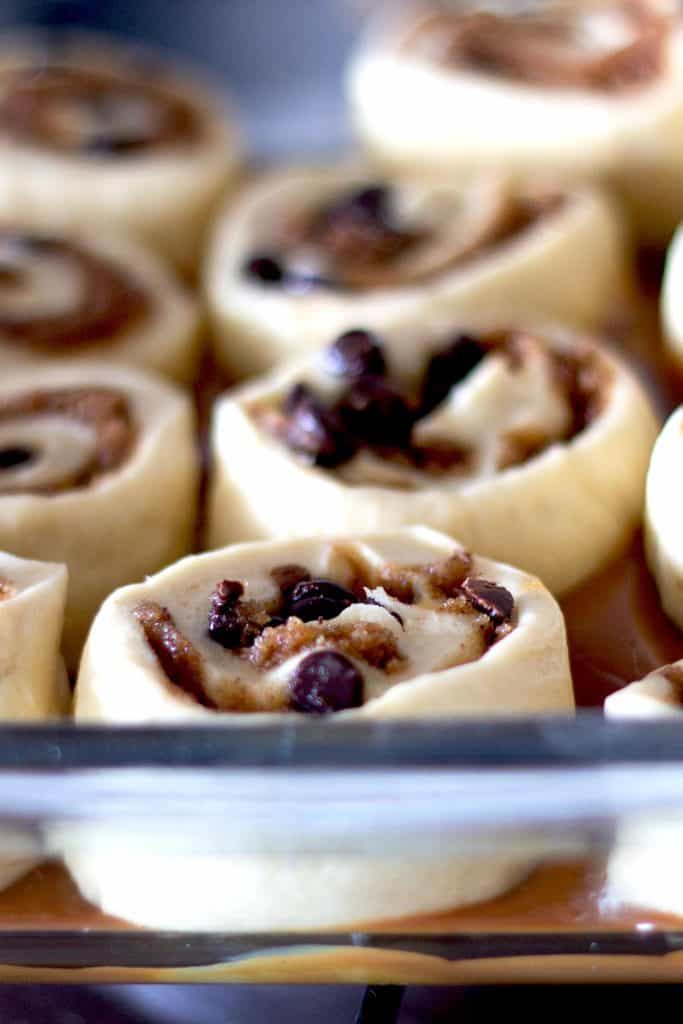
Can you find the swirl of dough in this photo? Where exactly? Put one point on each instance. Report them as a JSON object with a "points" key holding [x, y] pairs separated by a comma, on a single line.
{"points": [[588, 89], [303, 255], [98, 470], [66, 296], [253, 632], [514, 440], [92, 135], [33, 683]]}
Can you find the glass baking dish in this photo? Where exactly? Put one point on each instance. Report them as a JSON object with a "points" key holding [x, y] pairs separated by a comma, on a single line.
{"points": [[557, 788]]}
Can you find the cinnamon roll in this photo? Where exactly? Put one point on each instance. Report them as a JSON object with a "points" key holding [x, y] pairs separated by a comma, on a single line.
{"points": [[78, 295], [32, 598], [529, 444], [588, 89], [33, 683], [97, 470], [671, 301], [403, 623], [93, 135], [642, 869], [663, 501], [304, 255]]}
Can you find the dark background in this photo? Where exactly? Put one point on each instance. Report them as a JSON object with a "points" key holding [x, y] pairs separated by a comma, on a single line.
{"points": [[282, 63]]}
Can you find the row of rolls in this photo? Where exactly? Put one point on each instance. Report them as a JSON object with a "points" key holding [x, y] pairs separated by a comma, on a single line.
{"points": [[427, 394]]}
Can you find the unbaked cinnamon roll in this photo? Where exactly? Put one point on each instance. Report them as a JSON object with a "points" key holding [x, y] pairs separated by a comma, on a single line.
{"points": [[33, 683], [591, 88], [304, 255], [663, 504], [82, 295], [94, 135], [671, 301], [404, 623], [531, 445], [642, 869], [97, 470]]}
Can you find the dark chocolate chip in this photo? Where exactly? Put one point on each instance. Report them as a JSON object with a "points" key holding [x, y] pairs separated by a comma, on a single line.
{"points": [[296, 394], [229, 625], [11, 457], [377, 413], [264, 268], [227, 592], [319, 599], [317, 432], [113, 145], [447, 368], [325, 681], [370, 201], [356, 353], [495, 601], [287, 576]]}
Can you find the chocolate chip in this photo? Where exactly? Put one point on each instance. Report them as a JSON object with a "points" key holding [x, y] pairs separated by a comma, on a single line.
{"points": [[447, 368], [377, 413], [113, 145], [297, 394], [495, 601], [229, 624], [319, 599], [370, 201], [323, 682], [317, 432], [11, 457], [287, 576], [356, 354], [264, 268]]}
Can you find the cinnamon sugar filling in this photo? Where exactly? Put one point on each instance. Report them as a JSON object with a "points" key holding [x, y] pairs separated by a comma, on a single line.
{"points": [[108, 302], [93, 113], [545, 48], [104, 412]]}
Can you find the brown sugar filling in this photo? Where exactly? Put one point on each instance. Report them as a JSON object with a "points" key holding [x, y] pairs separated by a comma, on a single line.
{"points": [[367, 641], [104, 410], [361, 245], [7, 590], [542, 49], [177, 656], [266, 634], [110, 301], [93, 113]]}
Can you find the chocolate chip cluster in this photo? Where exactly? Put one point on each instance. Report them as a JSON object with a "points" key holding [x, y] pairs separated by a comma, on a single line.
{"points": [[371, 412]]}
